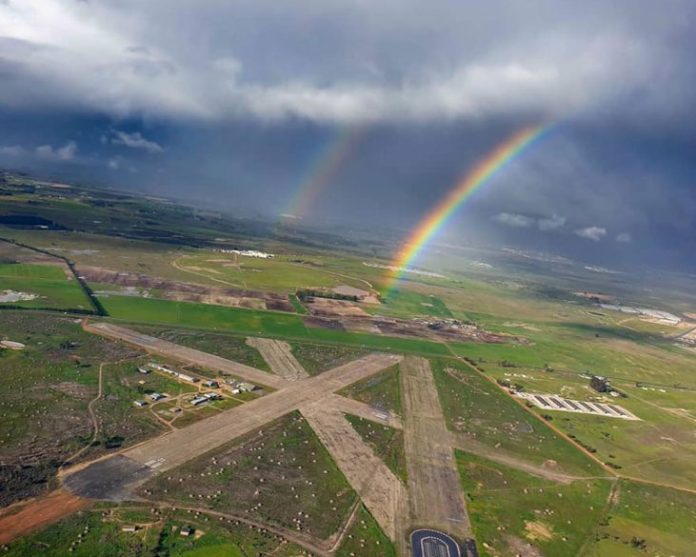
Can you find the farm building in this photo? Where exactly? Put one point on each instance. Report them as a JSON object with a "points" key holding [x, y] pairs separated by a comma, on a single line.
{"points": [[143, 370], [599, 383], [140, 403], [162, 368], [212, 384], [156, 396], [199, 400], [187, 378]]}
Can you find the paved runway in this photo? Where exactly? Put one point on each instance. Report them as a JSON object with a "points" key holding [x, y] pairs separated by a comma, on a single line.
{"points": [[433, 479], [174, 449]]}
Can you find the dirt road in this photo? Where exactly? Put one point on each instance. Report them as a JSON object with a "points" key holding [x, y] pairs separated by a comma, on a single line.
{"points": [[433, 480], [380, 490], [279, 357], [186, 355], [477, 448], [37, 513]]}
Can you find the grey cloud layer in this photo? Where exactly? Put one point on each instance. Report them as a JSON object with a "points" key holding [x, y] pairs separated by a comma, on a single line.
{"points": [[336, 62]]}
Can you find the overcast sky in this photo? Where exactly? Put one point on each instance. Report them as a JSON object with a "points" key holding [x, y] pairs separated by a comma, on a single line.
{"points": [[234, 104]]}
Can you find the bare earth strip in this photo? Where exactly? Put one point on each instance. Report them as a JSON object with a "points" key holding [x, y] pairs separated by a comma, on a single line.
{"points": [[362, 410], [38, 513], [433, 480], [183, 354], [279, 357], [380, 491]]}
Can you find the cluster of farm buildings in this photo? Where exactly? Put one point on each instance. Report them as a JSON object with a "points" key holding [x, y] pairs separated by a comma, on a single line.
{"points": [[235, 387]]}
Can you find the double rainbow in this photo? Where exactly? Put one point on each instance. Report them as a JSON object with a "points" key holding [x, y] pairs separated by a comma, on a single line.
{"points": [[481, 174], [324, 167]]}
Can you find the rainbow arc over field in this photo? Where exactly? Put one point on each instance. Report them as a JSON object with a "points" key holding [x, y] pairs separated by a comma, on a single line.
{"points": [[477, 177], [323, 168]]}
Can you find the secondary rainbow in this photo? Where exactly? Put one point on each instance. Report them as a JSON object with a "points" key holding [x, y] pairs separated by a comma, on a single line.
{"points": [[481, 174], [323, 169]]}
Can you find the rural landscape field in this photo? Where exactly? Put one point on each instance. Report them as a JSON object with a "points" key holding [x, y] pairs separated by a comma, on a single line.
{"points": [[165, 393], [347, 279]]}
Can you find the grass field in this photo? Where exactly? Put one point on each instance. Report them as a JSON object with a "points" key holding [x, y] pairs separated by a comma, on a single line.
{"points": [[610, 351], [659, 447], [51, 284], [382, 390], [255, 323], [44, 393], [121, 423], [316, 358], [646, 520], [409, 304], [283, 273], [515, 513], [46, 388], [223, 345], [366, 538], [98, 533], [281, 475], [474, 407], [386, 442], [295, 301]]}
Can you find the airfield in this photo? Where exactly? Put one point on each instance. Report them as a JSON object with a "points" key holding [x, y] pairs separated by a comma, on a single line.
{"points": [[433, 495], [165, 389]]}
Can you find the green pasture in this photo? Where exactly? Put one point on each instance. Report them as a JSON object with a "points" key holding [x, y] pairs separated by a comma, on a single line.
{"points": [[515, 513], [44, 393], [382, 390], [269, 475], [386, 442], [646, 520], [248, 322], [317, 358], [98, 533], [658, 447], [476, 408], [406, 304], [365, 537], [283, 273], [50, 283], [221, 344]]}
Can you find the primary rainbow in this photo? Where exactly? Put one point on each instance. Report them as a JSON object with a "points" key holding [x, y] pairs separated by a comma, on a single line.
{"points": [[477, 177], [324, 167]]}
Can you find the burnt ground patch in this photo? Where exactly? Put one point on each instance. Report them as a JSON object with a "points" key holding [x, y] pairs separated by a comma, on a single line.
{"points": [[111, 479]]}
